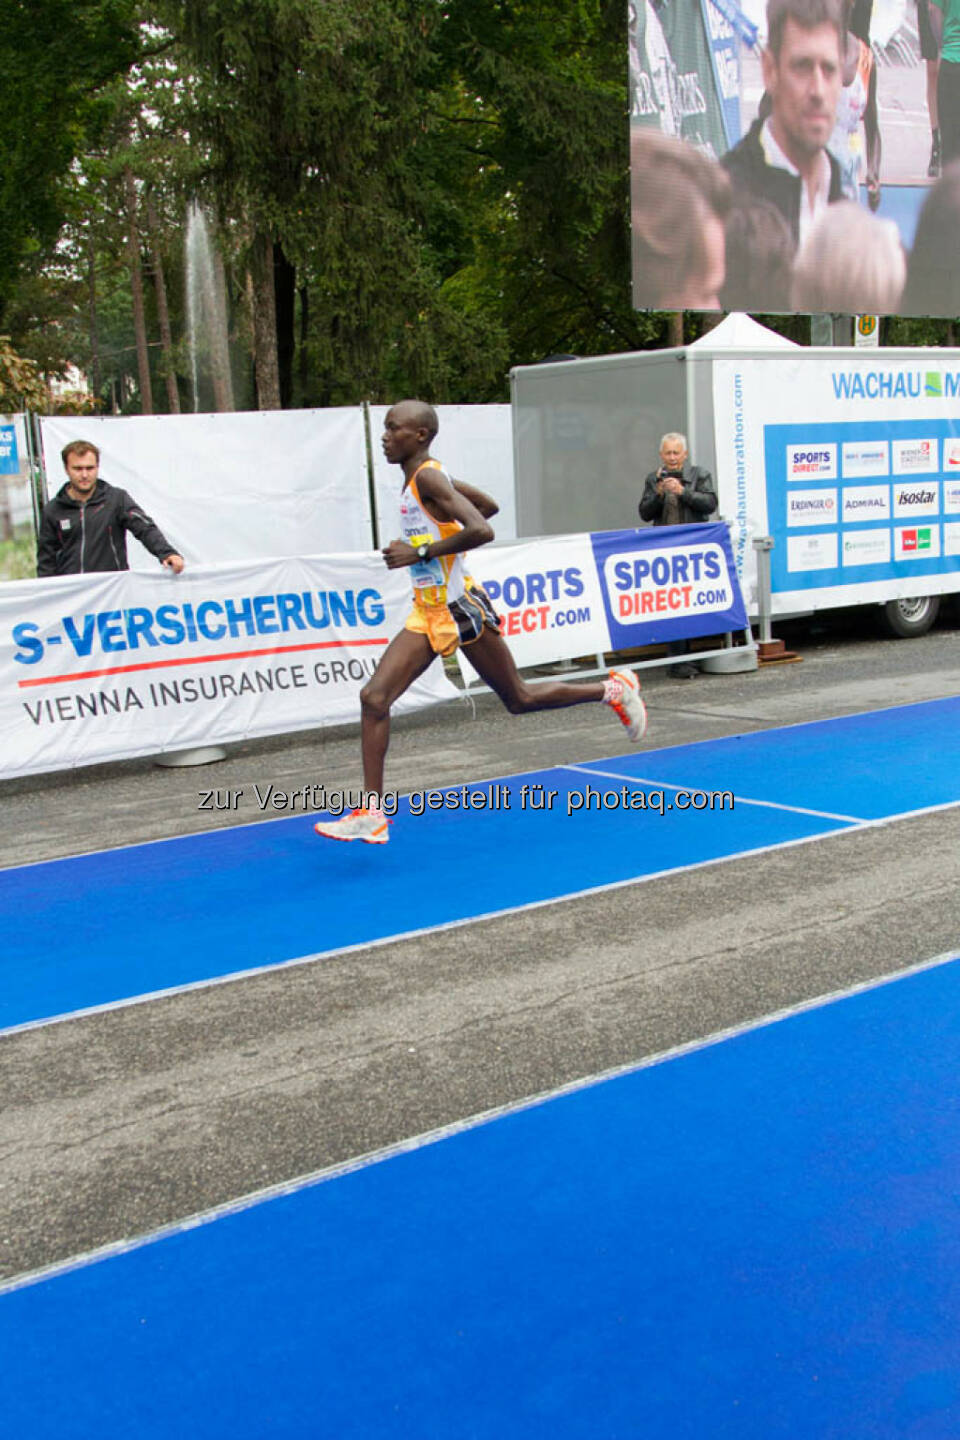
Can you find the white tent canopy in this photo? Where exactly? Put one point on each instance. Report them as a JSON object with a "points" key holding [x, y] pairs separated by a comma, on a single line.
{"points": [[739, 332]]}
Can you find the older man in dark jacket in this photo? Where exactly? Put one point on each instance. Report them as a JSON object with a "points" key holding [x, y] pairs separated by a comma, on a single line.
{"points": [[678, 493]]}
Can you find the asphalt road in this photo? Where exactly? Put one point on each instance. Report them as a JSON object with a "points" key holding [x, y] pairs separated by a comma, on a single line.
{"points": [[115, 1124]]}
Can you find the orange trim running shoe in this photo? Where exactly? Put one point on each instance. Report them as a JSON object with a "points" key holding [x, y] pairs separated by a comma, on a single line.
{"points": [[369, 825], [622, 693]]}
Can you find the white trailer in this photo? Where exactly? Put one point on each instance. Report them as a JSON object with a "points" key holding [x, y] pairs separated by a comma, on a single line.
{"points": [[847, 459]]}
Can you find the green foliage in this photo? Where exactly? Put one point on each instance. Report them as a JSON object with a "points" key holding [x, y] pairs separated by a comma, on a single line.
{"points": [[21, 384], [56, 57], [18, 557], [445, 188]]}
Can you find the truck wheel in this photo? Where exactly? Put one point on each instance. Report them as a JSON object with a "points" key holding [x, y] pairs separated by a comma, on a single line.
{"points": [[904, 619]]}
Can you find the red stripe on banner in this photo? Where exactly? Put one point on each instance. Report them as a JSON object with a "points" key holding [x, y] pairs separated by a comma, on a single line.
{"points": [[200, 660]]}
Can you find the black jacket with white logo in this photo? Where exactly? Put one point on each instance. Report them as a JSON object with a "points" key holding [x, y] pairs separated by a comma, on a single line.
{"points": [[75, 538]]}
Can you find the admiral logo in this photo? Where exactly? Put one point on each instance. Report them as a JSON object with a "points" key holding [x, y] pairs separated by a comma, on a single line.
{"points": [[811, 462], [915, 455], [811, 507], [866, 502]]}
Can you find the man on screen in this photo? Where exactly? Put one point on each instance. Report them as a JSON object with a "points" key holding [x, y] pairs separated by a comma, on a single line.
{"points": [[784, 158]]}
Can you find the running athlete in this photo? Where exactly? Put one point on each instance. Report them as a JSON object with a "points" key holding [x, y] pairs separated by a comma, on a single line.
{"points": [[439, 523]]}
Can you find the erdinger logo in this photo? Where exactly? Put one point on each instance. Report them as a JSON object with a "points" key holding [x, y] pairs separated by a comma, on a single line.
{"points": [[820, 505], [806, 462], [811, 507]]}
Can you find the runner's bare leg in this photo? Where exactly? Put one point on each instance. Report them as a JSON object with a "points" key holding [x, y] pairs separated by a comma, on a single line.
{"points": [[490, 657], [405, 659]]}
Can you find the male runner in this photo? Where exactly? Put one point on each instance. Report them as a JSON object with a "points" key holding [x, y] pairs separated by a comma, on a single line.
{"points": [[439, 523]]}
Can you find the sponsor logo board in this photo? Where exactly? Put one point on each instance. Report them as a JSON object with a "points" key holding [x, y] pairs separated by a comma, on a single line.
{"points": [[866, 502], [916, 498], [812, 462], [811, 552], [866, 547], [912, 457], [866, 457], [951, 454], [916, 542], [951, 539], [811, 507]]}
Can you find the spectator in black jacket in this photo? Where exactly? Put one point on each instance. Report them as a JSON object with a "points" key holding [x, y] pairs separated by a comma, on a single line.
{"points": [[784, 158], [83, 528], [678, 493]]}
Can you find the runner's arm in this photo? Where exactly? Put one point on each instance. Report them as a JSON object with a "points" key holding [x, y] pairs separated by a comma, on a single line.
{"points": [[444, 503], [483, 502]]}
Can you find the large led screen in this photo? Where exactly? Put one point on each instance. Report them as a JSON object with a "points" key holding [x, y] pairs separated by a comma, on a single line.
{"points": [[798, 155]]}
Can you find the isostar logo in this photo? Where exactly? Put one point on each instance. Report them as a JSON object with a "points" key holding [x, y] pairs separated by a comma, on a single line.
{"points": [[811, 462], [920, 542], [923, 499], [915, 456], [895, 384], [811, 507], [866, 502], [866, 458]]}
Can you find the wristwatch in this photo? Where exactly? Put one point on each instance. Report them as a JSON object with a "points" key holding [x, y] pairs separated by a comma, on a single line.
{"points": [[423, 551]]}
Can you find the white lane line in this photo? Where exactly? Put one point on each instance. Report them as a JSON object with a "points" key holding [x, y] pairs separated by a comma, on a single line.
{"points": [[853, 715], [360, 945], [738, 799], [316, 955], [458, 1127]]}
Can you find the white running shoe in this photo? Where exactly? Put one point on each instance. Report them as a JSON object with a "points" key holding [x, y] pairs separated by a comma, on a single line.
{"points": [[369, 825], [622, 694]]}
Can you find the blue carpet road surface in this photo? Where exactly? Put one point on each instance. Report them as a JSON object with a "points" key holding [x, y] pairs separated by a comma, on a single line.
{"points": [[118, 924], [757, 1239]]}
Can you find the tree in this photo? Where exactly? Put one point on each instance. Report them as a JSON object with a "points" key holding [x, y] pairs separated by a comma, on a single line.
{"points": [[63, 53], [21, 384]]}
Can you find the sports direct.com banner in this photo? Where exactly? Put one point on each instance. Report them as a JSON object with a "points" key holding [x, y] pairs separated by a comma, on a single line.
{"points": [[103, 667], [615, 590]]}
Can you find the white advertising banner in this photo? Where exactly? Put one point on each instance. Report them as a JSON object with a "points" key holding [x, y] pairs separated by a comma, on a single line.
{"points": [[547, 593], [104, 667], [847, 462], [235, 486]]}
